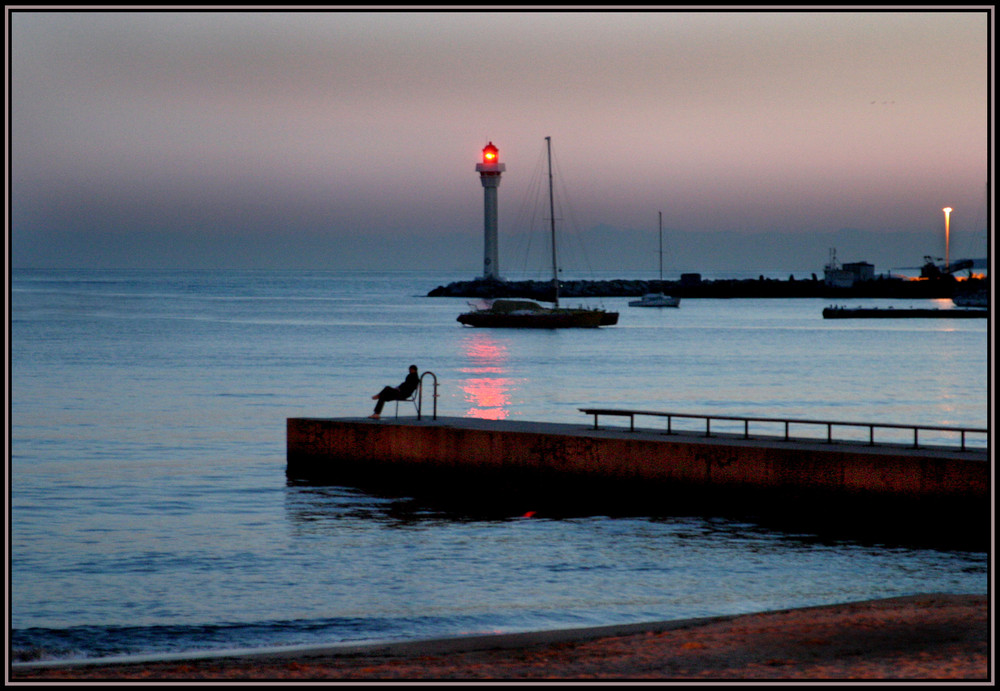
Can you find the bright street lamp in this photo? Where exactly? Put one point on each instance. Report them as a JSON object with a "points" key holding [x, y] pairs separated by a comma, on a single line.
{"points": [[947, 219]]}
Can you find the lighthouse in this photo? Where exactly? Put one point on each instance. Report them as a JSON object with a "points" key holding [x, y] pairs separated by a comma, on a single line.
{"points": [[489, 174]]}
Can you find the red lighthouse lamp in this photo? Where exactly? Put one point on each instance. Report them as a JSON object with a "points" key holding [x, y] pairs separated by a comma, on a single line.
{"points": [[491, 165]]}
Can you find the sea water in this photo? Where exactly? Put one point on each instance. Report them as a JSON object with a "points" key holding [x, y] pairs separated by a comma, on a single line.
{"points": [[150, 512]]}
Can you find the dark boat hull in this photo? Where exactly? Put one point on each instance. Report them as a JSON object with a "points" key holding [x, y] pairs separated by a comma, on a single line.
{"points": [[551, 319]]}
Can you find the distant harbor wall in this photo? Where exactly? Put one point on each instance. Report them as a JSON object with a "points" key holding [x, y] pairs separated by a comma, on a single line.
{"points": [[694, 287], [892, 313], [544, 464]]}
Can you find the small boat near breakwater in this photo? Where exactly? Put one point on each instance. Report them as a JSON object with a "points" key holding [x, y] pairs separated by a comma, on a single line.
{"points": [[978, 298], [657, 299], [837, 312]]}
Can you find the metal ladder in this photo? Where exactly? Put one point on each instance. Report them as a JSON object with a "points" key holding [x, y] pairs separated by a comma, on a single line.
{"points": [[420, 397]]}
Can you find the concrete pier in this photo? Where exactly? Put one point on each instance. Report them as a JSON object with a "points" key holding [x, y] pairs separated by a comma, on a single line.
{"points": [[542, 466]]}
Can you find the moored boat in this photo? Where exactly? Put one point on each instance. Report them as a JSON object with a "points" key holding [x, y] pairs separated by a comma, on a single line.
{"points": [[978, 298], [657, 299], [527, 314]]}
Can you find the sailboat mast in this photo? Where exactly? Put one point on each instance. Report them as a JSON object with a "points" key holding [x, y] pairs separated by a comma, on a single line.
{"points": [[661, 250], [552, 223]]}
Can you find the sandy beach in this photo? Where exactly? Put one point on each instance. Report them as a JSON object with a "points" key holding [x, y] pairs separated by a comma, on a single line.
{"points": [[922, 637]]}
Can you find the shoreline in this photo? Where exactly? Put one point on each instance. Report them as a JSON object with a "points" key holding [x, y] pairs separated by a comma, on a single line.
{"points": [[929, 637]]}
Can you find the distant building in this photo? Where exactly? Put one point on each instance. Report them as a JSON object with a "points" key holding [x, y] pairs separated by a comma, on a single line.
{"points": [[845, 276]]}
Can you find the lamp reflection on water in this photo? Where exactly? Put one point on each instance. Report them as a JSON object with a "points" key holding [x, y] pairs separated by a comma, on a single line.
{"points": [[486, 389]]}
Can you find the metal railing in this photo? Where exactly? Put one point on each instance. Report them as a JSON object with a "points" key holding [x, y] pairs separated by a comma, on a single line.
{"points": [[434, 396], [787, 422]]}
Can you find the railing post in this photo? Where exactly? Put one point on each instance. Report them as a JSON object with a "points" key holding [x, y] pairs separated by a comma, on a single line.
{"points": [[434, 396]]}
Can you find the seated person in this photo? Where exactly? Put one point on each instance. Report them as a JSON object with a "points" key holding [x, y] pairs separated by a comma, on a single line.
{"points": [[396, 393]]}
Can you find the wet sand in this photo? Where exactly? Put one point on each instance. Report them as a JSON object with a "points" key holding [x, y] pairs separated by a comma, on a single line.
{"points": [[923, 637]]}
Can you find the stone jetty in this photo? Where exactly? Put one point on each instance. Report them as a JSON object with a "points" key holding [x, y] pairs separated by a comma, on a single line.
{"points": [[693, 286]]}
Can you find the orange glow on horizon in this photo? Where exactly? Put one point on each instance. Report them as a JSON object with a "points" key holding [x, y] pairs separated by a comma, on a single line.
{"points": [[973, 277]]}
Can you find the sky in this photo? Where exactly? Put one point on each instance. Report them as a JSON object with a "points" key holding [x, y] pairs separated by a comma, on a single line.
{"points": [[348, 139]]}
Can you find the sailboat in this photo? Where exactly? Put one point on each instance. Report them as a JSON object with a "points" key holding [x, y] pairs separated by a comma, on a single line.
{"points": [[657, 299], [527, 314]]}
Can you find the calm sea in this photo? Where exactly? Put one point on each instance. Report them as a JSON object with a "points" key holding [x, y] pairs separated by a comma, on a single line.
{"points": [[150, 512]]}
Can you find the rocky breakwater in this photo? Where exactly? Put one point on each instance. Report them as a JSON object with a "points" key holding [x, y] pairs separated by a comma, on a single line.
{"points": [[539, 290], [692, 286]]}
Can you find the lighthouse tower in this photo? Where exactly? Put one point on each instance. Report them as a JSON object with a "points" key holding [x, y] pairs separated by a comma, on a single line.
{"points": [[489, 174]]}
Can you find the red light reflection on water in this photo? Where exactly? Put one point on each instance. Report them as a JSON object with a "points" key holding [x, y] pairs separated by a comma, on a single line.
{"points": [[488, 395]]}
